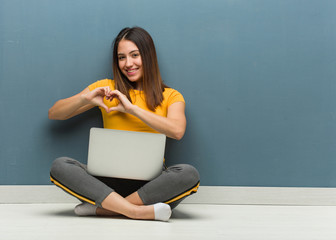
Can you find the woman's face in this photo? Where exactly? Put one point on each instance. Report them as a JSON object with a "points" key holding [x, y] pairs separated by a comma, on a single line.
{"points": [[129, 61]]}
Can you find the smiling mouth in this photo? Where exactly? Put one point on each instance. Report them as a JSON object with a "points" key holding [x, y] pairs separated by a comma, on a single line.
{"points": [[132, 70]]}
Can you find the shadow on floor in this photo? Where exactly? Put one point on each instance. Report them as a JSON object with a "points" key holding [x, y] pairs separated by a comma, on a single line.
{"points": [[181, 214], [177, 214]]}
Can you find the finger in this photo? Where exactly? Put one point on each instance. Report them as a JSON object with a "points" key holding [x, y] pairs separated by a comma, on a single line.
{"points": [[118, 108], [105, 90], [109, 94], [100, 91], [120, 96], [111, 109], [102, 105], [116, 93], [105, 108]]}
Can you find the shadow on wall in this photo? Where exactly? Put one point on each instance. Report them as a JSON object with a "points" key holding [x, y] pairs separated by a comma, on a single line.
{"points": [[70, 137], [91, 118]]}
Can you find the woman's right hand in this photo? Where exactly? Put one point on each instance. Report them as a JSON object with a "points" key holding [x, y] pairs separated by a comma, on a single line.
{"points": [[79, 103], [96, 97]]}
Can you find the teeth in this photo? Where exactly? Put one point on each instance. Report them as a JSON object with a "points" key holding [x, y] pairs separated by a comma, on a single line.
{"points": [[130, 71]]}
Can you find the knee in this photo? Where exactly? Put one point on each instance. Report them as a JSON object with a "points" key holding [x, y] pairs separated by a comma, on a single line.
{"points": [[58, 166], [190, 175]]}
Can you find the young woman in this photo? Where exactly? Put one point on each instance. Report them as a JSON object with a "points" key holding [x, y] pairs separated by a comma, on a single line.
{"points": [[136, 100]]}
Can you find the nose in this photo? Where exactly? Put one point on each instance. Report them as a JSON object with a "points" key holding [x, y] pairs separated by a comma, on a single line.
{"points": [[129, 62]]}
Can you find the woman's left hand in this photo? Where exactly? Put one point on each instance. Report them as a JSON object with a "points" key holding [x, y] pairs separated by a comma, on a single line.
{"points": [[173, 125], [124, 105]]}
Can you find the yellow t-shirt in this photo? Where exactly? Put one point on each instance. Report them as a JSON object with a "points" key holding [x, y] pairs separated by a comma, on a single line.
{"points": [[124, 121]]}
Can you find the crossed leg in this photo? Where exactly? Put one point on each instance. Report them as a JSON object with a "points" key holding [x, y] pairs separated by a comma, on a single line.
{"points": [[142, 204], [133, 199]]}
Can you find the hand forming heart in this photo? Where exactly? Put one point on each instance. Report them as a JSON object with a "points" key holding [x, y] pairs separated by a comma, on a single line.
{"points": [[124, 104], [96, 97]]}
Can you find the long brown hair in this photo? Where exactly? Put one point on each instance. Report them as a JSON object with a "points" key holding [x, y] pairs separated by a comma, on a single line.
{"points": [[152, 83]]}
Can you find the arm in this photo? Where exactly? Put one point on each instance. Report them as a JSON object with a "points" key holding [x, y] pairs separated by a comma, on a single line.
{"points": [[79, 103], [172, 126]]}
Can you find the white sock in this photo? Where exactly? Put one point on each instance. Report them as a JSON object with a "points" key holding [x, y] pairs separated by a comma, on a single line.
{"points": [[162, 211], [85, 209]]}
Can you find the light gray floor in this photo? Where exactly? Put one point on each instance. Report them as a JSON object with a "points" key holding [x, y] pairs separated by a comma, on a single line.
{"points": [[189, 221]]}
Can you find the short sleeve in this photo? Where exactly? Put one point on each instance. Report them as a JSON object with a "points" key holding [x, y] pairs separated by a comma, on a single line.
{"points": [[102, 83], [174, 96]]}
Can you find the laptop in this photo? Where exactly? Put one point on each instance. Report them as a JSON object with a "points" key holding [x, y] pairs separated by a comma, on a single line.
{"points": [[125, 154]]}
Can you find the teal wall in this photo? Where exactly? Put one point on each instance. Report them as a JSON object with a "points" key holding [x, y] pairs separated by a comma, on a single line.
{"points": [[258, 76]]}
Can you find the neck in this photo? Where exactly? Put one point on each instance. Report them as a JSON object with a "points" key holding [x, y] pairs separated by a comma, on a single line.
{"points": [[138, 86]]}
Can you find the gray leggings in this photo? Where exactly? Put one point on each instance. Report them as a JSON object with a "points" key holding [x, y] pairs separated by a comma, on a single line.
{"points": [[171, 187]]}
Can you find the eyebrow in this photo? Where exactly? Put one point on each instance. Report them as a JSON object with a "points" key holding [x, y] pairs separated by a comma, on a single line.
{"points": [[129, 52]]}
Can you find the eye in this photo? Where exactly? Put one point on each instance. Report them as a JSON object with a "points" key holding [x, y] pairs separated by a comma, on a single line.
{"points": [[135, 55], [121, 57]]}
